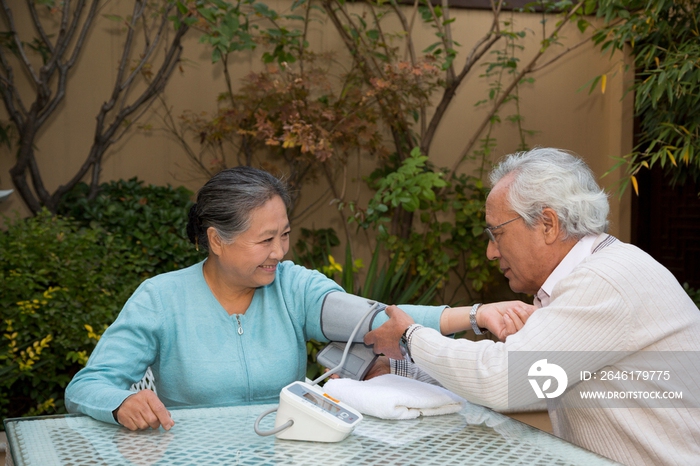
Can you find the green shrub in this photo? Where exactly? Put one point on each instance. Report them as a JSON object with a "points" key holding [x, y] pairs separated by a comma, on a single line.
{"points": [[151, 218], [313, 249], [693, 293], [66, 279], [446, 229], [57, 278]]}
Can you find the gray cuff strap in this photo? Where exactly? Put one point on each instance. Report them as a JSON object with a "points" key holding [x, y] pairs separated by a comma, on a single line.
{"points": [[341, 312]]}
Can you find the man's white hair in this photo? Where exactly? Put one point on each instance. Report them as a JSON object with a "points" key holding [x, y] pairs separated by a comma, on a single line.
{"points": [[555, 178]]}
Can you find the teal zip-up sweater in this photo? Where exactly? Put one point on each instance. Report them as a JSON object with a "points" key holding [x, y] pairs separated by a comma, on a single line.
{"points": [[201, 355]]}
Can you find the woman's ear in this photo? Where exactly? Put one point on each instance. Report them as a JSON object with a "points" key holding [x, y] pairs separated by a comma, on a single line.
{"points": [[550, 220], [215, 243]]}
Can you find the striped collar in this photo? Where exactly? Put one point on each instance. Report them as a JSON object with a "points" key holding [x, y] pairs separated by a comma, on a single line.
{"points": [[583, 249]]}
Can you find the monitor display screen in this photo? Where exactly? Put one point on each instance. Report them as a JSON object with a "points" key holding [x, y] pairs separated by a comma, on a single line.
{"points": [[322, 403]]}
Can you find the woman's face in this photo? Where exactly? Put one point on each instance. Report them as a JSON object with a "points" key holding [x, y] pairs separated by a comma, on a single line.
{"points": [[251, 259]]}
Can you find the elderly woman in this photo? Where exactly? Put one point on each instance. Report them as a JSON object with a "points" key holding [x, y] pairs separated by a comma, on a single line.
{"points": [[233, 328]]}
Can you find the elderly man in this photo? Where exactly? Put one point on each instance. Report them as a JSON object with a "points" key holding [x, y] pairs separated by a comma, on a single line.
{"points": [[608, 316]]}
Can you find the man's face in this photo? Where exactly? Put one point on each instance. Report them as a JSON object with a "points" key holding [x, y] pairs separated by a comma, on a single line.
{"points": [[521, 251]]}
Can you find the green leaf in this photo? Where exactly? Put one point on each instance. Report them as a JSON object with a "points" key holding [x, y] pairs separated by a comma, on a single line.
{"points": [[348, 280], [115, 18], [182, 8], [373, 34]]}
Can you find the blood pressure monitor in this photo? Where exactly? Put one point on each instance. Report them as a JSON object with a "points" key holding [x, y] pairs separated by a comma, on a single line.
{"points": [[307, 413], [317, 417], [358, 362]]}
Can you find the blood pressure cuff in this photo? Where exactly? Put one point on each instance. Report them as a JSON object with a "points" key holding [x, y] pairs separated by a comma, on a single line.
{"points": [[341, 313]]}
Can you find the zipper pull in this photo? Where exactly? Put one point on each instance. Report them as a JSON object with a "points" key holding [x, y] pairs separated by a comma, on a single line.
{"points": [[240, 327]]}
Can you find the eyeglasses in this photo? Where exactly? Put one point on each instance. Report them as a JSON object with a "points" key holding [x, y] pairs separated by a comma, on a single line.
{"points": [[489, 230]]}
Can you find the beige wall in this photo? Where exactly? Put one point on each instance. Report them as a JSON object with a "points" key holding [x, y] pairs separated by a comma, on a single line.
{"points": [[596, 126]]}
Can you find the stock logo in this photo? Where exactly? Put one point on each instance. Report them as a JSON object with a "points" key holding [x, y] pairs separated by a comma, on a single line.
{"points": [[542, 370]]}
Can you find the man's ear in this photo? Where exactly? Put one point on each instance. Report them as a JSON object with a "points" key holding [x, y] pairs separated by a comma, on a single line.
{"points": [[550, 221], [215, 243]]}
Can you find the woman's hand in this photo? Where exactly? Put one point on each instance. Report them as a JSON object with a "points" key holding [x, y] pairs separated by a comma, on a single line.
{"points": [[143, 410], [504, 318], [381, 366]]}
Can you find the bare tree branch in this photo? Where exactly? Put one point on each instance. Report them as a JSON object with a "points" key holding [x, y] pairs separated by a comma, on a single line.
{"points": [[566, 51], [482, 46], [410, 48], [18, 43], [506, 93], [29, 121], [10, 94], [401, 133], [571, 48], [39, 27], [104, 137], [50, 88]]}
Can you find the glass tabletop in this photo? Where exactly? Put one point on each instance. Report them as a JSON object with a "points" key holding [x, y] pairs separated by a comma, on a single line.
{"points": [[225, 435]]}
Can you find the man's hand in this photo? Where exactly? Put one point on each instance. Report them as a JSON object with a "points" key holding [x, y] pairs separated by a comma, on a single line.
{"points": [[504, 318], [386, 338], [143, 410]]}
